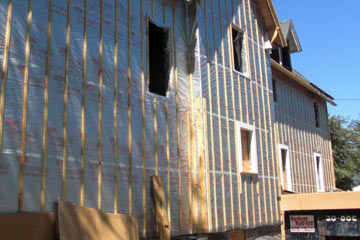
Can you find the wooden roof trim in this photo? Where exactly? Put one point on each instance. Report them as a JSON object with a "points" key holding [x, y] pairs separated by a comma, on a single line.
{"points": [[297, 79], [273, 27]]}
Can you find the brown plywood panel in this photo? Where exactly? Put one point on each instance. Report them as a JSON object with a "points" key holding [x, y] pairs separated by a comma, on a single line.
{"points": [[83, 223], [24, 226], [161, 214]]}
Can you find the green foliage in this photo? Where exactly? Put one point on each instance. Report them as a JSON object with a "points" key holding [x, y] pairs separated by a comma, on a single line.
{"points": [[345, 139]]}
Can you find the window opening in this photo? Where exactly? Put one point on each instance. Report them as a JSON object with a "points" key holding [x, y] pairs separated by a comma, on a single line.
{"points": [[238, 50], [319, 173], [316, 112], [285, 168], [274, 90], [159, 59], [246, 147]]}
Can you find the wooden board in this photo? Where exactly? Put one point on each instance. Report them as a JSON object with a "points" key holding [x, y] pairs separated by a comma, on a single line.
{"points": [[83, 223], [160, 206], [24, 226]]}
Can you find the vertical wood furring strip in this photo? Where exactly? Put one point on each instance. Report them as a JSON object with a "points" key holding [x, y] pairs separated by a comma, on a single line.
{"points": [[5, 69], [219, 117], [152, 8], [193, 211], [46, 101], [272, 145], [25, 105], [246, 106], [143, 117], [66, 93], [163, 11], [168, 164], [211, 124], [264, 123], [252, 79], [156, 138], [227, 117], [101, 59], [83, 103], [177, 115], [189, 170], [207, 169], [116, 162], [231, 64], [129, 107]]}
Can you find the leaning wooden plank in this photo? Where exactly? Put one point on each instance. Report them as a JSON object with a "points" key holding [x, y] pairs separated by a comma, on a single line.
{"points": [[82, 223], [24, 226], [161, 214]]}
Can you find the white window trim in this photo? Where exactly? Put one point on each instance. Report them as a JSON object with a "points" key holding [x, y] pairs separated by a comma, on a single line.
{"points": [[320, 188], [253, 149], [287, 166]]}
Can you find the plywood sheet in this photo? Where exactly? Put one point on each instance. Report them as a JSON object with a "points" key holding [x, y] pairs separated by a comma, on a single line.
{"points": [[83, 223], [161, 213], [24, 226]]}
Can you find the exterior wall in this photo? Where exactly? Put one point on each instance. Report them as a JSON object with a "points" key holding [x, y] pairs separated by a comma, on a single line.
{"points": [[295, 117], [237, 200]]}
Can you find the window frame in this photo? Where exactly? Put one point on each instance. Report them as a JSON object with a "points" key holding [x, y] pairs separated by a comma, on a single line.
{"points": [[253, 147], [320, 188], [287, 168], [147, 54], [245, 45]]}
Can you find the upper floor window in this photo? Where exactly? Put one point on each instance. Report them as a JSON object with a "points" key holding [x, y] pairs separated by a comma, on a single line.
{"points": [[159, 59], [239, 49], [319, 173], [246, 147], [282, 56], [316, 114]]}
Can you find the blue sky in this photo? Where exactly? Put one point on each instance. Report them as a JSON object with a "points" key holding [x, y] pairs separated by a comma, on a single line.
{"points": [[329, 33]]}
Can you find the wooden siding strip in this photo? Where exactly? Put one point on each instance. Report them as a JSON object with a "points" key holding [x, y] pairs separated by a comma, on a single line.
{"points": [[219, 117], [227, 115], [25, 106], [265, 127], [46, 103], [143, 117], [5, 69], [66, 92], [168, 164], [177, 115], [211, 123], [254, 78], [101, 77], [83, 106], [129, 107]]}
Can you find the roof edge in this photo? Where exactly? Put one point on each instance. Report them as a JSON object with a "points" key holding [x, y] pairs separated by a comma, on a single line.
{"points": [[310, 86], [272, 22]]}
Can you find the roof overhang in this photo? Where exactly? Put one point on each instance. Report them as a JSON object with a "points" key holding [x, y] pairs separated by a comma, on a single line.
{"points": [[272, 23], [308, 85], [320, 201]]}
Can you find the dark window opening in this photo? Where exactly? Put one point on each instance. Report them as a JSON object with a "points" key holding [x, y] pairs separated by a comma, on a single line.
{"points": [[159, 59], [286, 59], [238, 38], [274, 90], [316, 112], [282, 56], [275, 54]]}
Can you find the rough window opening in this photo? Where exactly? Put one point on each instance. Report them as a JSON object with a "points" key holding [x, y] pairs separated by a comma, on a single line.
{"points": [[239, 50], [285, 168], [282, 56], [159, 59], [274, 90], [319, 173], [246, 150], [316, 112]]}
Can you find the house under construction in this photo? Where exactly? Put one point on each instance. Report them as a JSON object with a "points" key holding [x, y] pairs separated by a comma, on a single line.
{"points": [[185, 115]]}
